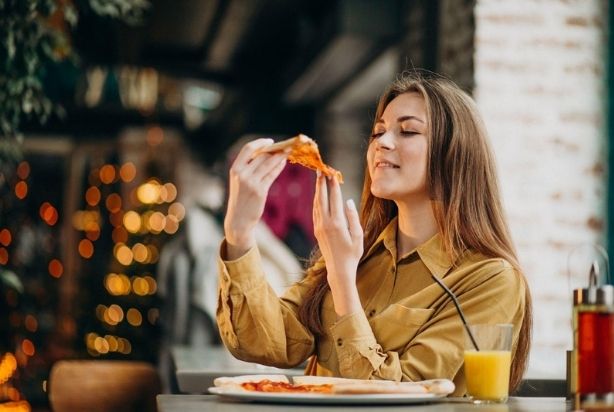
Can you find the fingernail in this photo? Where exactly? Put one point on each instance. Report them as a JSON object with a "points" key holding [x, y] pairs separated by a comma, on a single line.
{"points": [[351, 204], [318, 174]]}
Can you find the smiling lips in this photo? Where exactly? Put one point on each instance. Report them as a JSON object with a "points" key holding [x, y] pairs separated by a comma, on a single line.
{"points": [[382, 164]]}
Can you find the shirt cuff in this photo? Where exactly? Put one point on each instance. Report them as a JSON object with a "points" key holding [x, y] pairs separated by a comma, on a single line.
{"points": [[243, 273]]}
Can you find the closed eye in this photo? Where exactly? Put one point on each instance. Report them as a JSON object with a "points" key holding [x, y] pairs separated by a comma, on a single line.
{"points": [[408, 133], [376, 135]]}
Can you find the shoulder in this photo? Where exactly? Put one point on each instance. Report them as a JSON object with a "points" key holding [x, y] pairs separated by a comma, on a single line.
{"points": [[494, 271]]}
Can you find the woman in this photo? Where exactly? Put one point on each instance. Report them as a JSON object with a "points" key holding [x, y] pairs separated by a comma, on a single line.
{"points": [[368, 307]]}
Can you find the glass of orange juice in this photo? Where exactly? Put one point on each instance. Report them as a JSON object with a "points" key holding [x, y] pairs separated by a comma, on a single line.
{"points": [[487, 370]]}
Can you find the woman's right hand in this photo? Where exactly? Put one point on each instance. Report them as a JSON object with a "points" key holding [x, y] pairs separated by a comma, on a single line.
{"points": [[250, 180]]}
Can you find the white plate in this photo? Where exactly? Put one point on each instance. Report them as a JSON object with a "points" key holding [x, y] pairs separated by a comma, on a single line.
{"points": [[320, 398]]}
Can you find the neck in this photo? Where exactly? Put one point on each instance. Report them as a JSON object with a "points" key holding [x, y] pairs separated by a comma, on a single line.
{"points": [[416, 225]]}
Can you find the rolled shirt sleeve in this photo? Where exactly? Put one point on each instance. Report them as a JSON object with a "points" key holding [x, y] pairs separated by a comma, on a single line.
{"points": [[255, 324]]}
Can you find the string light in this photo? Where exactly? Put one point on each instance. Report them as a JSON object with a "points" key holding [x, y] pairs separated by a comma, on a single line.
{"points": [[86, 248], [8, 364], [31, 323], [21, 190], [56, 269], [92, 196], [23, 170], [5, 237], [4, 256], [48, 213], [127, 172], [134, 317], [177, 210], [113, 203], [27, 347], [148, 193], [132, 221], [107, 174]]}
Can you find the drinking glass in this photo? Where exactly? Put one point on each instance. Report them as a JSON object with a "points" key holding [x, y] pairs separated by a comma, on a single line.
{"points": [[487, 367]]}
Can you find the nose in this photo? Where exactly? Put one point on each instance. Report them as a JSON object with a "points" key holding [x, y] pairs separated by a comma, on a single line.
{"points": [[385, 141]]}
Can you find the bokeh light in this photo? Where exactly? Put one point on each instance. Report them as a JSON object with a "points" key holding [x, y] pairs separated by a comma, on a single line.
{"points": [[56, 269], [123, 254], [127, 172], [119, 235], [177, 210], [86, 248], [114, 314], [27, 347], [148, 193], [157, 221], [8, 364], [134, 317], [23, 170], [31, 323], [171, 224], [107, 174], [113, 202], [4, 256], [140, 286], [92, 196], [132, 221], [117, 284], [140, 252], [21, 189], [48, 213], [5, 237]]}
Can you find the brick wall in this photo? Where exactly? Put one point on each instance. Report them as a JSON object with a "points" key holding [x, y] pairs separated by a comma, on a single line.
{"points": [[539, 70]]}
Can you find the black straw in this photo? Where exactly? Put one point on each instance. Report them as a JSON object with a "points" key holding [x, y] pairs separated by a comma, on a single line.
{"points": [[458, 308]]}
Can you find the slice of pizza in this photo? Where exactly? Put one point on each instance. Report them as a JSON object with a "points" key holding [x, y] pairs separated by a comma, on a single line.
{"points": [[303, 151]]}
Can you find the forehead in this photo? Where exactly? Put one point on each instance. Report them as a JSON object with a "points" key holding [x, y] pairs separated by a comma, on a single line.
{"points": [[406, 104]]}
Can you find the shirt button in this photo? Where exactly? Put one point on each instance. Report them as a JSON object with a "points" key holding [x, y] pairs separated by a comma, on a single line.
{"points": [[371, 313], [339, 342]]}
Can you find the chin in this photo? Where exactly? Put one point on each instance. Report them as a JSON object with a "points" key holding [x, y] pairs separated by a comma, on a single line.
{"points": [[381, 192]]}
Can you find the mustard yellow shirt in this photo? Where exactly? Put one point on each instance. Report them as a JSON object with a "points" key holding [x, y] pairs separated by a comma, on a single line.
{"points": [[409, 330]]}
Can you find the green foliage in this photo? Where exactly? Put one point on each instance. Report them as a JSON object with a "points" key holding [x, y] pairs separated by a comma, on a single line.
{"points": [[29, 43]]}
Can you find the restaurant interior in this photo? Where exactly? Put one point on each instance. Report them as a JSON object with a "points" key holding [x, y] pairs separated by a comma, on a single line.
{"points": [[120, 120]]}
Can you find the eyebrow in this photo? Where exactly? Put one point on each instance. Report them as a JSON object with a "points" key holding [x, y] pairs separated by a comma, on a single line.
{"points": [[402, 119]]}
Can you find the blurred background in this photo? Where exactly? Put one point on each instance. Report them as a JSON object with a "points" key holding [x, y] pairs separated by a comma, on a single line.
{"points": [[119, 119]]}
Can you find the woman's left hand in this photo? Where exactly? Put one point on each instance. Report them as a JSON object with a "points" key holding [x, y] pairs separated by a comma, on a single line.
{"points": [[340, 238]]}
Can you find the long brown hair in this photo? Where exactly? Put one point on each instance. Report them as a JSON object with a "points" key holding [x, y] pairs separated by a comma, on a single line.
{"points": [[463, 187]]}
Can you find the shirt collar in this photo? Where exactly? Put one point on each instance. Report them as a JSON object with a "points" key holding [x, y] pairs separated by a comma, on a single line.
{"points": [[431, 252]]}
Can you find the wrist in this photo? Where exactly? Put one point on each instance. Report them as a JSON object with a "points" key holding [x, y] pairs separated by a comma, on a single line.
{"points": [[346, 300], [237, 246]]}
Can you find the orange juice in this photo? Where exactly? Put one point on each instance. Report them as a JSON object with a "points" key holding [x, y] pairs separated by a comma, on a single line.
{"points": [[488, 374]]}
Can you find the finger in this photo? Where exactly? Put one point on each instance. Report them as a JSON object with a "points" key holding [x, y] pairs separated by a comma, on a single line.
{"points": [[246, 152], [336, 198], [255, 163], [270, 162], [351, 213], [273, 172], [322, 197], [315, 206]]}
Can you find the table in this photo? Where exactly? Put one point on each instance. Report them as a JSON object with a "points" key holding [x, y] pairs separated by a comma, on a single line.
{"points": [[196, 368], [211, 403]]}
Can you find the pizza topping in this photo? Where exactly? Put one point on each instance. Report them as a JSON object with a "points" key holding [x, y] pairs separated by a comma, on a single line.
{"points": [[304, 151], [270, 386]]}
